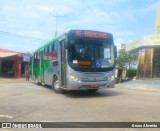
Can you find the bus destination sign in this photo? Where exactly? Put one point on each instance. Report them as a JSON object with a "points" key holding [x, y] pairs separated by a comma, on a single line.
{"points": [[91, 34]]}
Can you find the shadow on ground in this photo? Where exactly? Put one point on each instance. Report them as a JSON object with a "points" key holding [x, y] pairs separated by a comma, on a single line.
{"points": [[99, 93], [108, 92]]}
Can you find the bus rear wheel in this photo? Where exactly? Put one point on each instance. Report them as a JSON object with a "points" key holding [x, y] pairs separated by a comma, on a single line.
{"points": [[56, 86]]}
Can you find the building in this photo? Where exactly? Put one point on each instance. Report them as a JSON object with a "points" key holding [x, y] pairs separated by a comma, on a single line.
{"points": [[149, 53], [13, 64]]}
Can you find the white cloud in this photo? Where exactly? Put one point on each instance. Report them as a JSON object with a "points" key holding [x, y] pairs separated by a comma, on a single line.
{"points": [[35, 18], [152, 7]]}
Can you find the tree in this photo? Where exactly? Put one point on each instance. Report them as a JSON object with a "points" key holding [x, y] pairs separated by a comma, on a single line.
{"points": [[125, 59]]}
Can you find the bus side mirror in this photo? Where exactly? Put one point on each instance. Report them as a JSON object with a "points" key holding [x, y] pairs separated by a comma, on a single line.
{"points": [[115, 51], [55, 63]]}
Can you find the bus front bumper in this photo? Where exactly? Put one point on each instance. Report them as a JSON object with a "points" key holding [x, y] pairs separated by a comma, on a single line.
{"points": [[84, 85]]}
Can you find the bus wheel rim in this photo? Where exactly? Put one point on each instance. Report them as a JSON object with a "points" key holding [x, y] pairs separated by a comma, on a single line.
{"points": [[57, 85]]}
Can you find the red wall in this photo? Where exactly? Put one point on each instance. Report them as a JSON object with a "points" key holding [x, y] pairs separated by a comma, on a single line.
{"points": [[17, 67]]}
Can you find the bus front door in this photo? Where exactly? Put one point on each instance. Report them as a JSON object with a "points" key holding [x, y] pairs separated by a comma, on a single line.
{"points": [[41, 67], [63, 63]]}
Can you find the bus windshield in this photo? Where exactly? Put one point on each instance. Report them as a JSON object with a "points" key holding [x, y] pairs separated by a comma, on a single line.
{"points": [[90, 53]]}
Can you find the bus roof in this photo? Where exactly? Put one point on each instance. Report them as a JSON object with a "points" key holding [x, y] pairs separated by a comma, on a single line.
{"points": [[46, 44], [88, 32]]}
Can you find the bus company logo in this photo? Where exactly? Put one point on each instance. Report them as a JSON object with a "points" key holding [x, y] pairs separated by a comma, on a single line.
{"points": [[6, 125]]}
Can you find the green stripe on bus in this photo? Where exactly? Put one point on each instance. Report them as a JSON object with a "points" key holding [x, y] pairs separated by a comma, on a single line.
{"points": [[36, 68]]}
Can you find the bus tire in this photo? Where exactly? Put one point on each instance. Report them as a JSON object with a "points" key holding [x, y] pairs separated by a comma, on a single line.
{"points": [[56, 86]]}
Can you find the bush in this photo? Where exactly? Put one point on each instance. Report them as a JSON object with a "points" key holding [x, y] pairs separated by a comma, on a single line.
{"points": [[131, 73]]}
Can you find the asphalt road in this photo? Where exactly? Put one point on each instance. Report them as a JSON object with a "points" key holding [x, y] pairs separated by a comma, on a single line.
{"points": [[26, 102]]}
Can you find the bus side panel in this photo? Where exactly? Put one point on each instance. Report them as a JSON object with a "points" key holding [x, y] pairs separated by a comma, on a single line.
{"points": [[35, 69], [50, 71]]}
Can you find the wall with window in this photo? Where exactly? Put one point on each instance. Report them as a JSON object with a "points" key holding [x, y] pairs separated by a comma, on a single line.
{"points": [[149, 63], [156, 63], [145, 63]]}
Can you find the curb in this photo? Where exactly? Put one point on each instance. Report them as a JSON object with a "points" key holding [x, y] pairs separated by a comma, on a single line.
{"points": [[139, 87]]}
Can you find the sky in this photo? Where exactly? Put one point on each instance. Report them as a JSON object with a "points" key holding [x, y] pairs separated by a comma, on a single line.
{"points": [[26, 24]]}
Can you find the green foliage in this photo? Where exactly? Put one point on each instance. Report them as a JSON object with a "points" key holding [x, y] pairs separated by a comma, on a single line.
{"points": [[131, 73], [125, 58], [121, 59]]}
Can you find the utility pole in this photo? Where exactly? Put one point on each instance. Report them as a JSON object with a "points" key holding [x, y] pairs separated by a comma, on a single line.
{"points": [[57, 16]]}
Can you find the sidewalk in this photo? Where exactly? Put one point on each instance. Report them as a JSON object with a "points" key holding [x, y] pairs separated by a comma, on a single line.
{"points": [[148, 85], [13, 80]]}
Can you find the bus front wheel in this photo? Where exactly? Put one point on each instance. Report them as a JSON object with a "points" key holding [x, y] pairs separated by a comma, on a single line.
{"points": [[56, 86]]}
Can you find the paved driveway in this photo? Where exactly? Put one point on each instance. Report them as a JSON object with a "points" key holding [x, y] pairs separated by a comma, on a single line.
{"points": [[150, 85], [22, 101]]}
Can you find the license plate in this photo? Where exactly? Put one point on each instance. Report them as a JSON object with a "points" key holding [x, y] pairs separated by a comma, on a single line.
{"points": [[94, 86]]}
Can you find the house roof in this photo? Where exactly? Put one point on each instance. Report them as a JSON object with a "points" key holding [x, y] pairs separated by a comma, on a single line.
{"points": [[7, 53], [146, 41]]}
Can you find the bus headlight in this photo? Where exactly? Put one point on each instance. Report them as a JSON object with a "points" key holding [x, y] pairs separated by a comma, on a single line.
{"points": [[73, 78]]}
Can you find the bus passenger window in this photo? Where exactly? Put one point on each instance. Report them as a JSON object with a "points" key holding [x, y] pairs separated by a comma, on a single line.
{"points": [[56, 46], [50, 48], [55, 63], [53, 47], [45, 50]]}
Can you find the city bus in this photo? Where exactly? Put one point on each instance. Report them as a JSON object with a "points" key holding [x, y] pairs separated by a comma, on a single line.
{"points": [[76, 60]]}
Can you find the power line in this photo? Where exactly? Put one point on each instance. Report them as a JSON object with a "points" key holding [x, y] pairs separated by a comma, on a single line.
{"points": [[20, 36]]}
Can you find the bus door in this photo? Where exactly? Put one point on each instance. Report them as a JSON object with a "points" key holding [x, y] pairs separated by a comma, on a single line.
{"points": [[41, 67], [63, 63], [32, 65]]}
